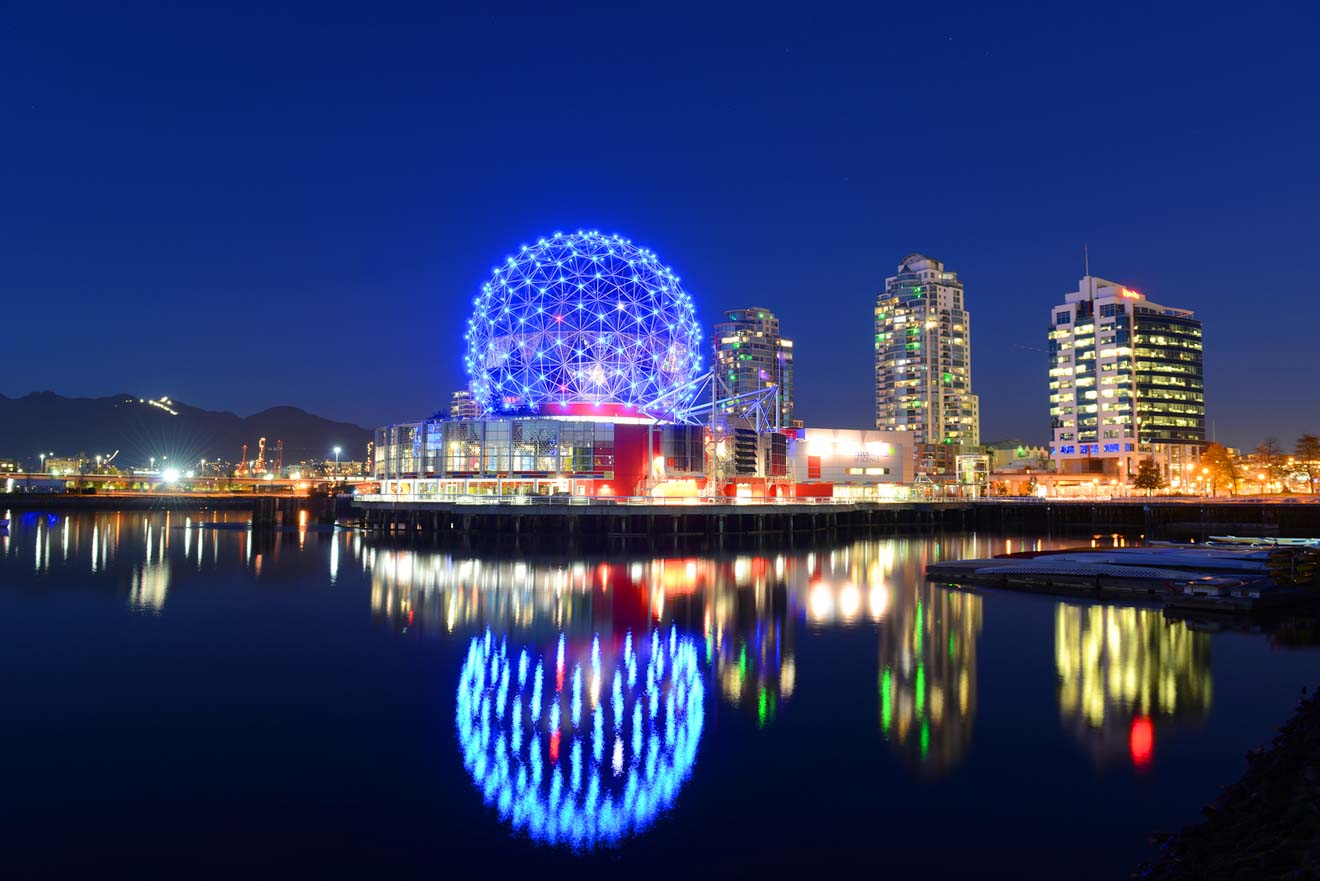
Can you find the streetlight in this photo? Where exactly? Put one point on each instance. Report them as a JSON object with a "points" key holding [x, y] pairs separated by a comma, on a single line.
{"points": [[42, 457], [337, 451]]}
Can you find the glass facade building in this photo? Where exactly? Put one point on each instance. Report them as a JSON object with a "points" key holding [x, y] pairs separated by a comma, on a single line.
{"points": [[532, 454], [1126, 382]]}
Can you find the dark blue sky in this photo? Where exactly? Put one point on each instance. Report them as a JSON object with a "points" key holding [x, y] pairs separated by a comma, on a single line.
{"points": [[242, 209]]}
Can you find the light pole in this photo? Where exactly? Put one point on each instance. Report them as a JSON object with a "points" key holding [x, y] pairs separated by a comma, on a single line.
{"points": [[42, 457], [337, 451]]}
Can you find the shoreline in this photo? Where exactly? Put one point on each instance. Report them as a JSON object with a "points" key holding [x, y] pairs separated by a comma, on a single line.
{"points": [[1265, 825]]}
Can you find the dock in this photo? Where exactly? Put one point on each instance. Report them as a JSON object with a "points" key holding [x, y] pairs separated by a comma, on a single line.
{"points": [[537, 524], [1179, 586]]}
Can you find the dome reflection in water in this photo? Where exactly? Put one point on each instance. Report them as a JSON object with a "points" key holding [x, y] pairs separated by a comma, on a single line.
{"points": [[581, 751]]}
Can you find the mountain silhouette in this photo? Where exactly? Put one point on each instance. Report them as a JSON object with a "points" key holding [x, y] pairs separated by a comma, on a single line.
{"points": [[139, 428]]}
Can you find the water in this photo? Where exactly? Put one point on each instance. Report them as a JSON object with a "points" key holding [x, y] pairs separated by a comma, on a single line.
{"points": [[188, 700]]}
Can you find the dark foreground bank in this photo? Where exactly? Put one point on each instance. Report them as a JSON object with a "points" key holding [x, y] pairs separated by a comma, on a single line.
{"points": [[1266, 825]]}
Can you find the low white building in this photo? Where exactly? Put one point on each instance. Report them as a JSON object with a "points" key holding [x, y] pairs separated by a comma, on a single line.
{"points": [[850, 463]]}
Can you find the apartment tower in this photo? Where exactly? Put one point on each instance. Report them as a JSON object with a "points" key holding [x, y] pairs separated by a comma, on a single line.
{"points": [[923, 363], [751, 355]]}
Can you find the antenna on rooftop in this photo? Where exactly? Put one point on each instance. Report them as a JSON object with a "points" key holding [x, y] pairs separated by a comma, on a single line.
{"points": [[1086, 256]]}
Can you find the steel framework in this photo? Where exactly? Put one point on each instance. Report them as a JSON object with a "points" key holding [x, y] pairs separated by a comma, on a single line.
{"points": [[582, 318]]}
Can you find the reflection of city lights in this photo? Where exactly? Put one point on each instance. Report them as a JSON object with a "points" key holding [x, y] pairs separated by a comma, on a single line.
{"points": [[745, 608], [821, 602], [1141, 741], [879, 601], [1121, 670], [655, 724], [928, 673], [850, 600], [149, 585]]}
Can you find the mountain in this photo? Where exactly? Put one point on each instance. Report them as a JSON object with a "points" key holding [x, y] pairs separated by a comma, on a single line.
{"points": [[140, 428]]}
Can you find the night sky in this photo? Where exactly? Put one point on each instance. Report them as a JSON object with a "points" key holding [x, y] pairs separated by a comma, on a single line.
{"points": [[268, 207]]}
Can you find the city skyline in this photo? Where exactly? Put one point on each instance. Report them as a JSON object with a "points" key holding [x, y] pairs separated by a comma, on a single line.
{"points": [[449, 401], [523, 438], [233, 236]]}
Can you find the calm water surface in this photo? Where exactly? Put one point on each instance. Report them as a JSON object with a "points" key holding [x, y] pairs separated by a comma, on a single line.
{"points": [[182, 700]]}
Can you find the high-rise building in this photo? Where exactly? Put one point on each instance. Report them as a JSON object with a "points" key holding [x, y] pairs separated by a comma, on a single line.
{"points": [[1126, 384], [923, 363], [463, 405], [751, 355]]}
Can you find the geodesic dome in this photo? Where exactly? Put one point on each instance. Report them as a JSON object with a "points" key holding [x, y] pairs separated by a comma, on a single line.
{"points": [[583, 318]]}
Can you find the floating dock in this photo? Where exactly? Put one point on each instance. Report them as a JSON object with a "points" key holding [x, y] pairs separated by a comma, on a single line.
{"points": [[1245, 580]]}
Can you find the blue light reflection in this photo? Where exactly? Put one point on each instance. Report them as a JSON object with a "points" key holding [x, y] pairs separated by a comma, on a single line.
{"points": [[600, 798]]}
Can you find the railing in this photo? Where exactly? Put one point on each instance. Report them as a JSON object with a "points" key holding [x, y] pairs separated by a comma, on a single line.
{"points": [[615, 501]]}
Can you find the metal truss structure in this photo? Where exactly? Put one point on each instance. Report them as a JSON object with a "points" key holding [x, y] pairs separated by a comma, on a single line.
{"points": [[696, 403]]}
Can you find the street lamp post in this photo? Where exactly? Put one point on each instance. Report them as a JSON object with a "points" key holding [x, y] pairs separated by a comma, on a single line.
{"points": [[337, 452]]}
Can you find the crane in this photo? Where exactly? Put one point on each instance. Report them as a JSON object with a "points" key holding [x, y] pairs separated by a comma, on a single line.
{"points": [[261, 456], [242, 463], [279, 456]]}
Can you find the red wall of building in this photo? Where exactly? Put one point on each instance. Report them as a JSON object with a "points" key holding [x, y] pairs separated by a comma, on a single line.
{"points": [[630, 458]]}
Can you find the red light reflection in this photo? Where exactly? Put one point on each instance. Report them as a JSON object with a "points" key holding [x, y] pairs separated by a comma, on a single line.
{"points": [[1141, 742]]}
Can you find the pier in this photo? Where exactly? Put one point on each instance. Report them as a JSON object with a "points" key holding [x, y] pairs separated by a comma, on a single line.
{"points": [[541, 523], [543, 526]]}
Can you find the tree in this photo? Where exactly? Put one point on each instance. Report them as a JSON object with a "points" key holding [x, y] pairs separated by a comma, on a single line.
{"points": [[1148, 477], [1272, 460], [1307, 453], [1220, 468]]}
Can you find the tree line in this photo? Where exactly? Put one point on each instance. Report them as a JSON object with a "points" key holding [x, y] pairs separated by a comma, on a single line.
{"points": [[1268, 463]]}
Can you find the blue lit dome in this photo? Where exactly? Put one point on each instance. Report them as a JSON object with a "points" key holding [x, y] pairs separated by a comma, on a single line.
{"points": [[581, 753], [581, 319]]}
